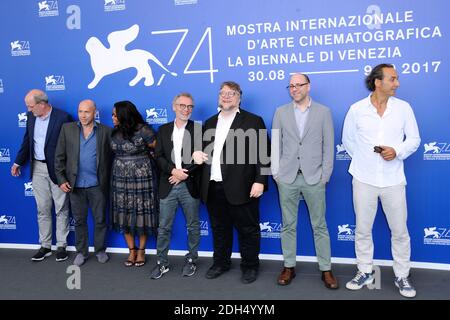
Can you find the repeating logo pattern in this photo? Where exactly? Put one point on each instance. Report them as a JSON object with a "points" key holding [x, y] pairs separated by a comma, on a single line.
{"points": [[436, 151], [271, 230], [5, 155], [346, 232], [204, 230], [156, 115], [28, 189], [7, 222], [436, 236], [20, 48], [54, 83], [22, 120], [114, 5], [48, 8], [341, 154]]}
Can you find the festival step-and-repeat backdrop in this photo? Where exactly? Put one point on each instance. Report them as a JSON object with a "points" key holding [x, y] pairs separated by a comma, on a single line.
{"points": [[149, 51]]}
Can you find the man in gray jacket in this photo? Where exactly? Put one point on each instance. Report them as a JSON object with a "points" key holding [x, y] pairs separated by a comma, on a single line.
{"points": [[82, 167], [302, 162]]}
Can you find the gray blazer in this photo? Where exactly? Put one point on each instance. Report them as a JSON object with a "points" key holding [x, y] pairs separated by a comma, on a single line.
{"points": [[67, 154], [315, 150]]}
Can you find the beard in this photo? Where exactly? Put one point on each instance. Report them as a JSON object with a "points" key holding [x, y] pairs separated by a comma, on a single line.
{"points": [[228, 107]]}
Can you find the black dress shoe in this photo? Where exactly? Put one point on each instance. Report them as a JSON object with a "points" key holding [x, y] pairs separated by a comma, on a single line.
{"points": [[216, 271], [249, 275]]}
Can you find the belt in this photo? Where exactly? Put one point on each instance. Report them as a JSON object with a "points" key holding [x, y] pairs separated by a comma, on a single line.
{"points": [[43, 161], [299, 172]]}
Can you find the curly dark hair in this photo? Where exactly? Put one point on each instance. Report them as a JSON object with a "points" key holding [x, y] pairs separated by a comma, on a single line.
{"points": [[129, 119], [376, 73]]}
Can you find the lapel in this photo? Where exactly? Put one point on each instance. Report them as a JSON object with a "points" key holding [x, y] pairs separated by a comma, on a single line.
{"points": [[51, 125], [187, 139], [310, 120], [213, 126], [291, 122], [31, 119], [235, 125]]}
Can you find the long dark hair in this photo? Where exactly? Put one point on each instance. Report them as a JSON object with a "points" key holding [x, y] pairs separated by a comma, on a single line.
{"points": [[129, 119]]}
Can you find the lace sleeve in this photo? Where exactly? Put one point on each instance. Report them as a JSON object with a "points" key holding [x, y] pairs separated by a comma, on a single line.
{"points": [[147, 134]]}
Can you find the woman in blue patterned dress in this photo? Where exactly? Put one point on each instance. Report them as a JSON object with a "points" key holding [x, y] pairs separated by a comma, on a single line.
{"points": [[133, 183]]}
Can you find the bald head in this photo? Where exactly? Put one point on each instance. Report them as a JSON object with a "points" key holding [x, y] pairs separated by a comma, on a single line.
{"points": [[299, 86], [86, 112], [37, 102]]}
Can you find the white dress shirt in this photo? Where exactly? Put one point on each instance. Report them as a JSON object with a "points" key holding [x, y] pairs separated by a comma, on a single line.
{"points": [[222, 128], [177, 138], [364, 129]]}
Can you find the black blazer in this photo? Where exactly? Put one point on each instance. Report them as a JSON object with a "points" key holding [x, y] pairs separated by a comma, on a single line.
{"points": [[237, 178], [165, 160], [67, 157], [26, 151]]}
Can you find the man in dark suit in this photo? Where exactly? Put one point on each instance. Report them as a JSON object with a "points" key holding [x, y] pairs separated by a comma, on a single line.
{"points": [[82, 167], [38, 146], [178, 183], [233, 181]]}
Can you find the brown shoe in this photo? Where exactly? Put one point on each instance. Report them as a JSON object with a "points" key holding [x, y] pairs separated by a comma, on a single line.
{"points": [[329, 280], [286, 276]]}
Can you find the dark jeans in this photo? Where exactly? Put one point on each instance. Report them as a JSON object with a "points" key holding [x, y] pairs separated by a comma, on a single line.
{"points": [[224, 216], [80, 200], [167, 210]]}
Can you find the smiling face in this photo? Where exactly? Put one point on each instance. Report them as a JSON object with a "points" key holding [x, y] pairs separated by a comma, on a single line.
{"points": [[86, 112], [299, 88], [229, 98], [183, 107]]}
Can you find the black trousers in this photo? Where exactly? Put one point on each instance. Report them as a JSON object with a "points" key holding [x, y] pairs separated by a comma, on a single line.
{"points": [[223, 217], [80, 200]]}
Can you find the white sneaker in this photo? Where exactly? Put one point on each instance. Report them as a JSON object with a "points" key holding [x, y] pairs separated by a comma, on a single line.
{"points": [[360, 280], [405, 287]]}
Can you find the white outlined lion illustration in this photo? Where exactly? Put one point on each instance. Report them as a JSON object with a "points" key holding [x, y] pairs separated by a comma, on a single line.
{"points": [[28, 186], [50, 80], [3, 219], [16, 45], [106, 61], [340, 148], [152, 113], [43, 5], [344, 229], [431, 232], [22, 116], [431, 147], [265, 226]]}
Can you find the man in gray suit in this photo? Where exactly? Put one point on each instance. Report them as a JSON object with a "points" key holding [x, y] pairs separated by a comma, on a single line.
{"points": [[82, 166], [302, 162]]}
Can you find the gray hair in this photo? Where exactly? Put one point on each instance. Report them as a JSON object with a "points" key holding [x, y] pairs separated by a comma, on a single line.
{"points": [[40, 97], [183, 94]]}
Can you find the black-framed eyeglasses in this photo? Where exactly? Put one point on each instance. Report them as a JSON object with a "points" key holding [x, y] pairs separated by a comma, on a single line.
{"points": [[185, 106], [228, 94], [296, 85]]}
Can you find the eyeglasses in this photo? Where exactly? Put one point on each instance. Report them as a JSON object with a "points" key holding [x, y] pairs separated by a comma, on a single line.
{"points": [[228, 94], [185, 106], [296, 86]]}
